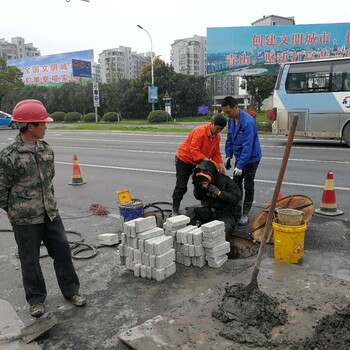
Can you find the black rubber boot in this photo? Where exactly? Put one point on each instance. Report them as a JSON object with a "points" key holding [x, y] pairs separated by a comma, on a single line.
{"points": [[244, 220]]}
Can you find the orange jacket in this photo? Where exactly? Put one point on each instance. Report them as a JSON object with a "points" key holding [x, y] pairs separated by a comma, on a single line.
{"points": [[198, 146]]}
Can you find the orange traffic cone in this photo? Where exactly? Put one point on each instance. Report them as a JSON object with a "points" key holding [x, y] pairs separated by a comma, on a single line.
{"points": [[76, 177], [328, 205], [280, 196]]}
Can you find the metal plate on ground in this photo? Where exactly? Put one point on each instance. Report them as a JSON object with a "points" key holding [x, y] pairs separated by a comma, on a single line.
{"points": [[296, 201]]}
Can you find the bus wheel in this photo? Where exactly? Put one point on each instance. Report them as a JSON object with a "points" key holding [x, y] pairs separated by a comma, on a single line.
{"points": [[346, 134]]}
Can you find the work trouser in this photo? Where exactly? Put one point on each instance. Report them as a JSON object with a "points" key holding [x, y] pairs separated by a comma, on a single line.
{"points": [[183, 173], [247, 177], [206, 214], [52, 233]]}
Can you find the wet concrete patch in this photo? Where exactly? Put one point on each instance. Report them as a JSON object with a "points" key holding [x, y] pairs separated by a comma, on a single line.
{"points": [[249, 316]]}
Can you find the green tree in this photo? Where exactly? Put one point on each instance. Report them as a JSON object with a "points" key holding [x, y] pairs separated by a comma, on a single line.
{"points": [[259, 88], [10, 79]]}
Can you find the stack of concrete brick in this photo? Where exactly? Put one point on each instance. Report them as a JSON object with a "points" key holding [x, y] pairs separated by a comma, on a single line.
{"points": [[187, 241], [214, 242], [146, 250]]}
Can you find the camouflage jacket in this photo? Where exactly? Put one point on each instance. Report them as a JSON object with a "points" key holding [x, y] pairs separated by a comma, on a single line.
{"points": [[26, 188]]}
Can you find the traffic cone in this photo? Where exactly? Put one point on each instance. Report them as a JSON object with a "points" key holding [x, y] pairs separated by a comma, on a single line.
{"points": [[328, 205], [76, 177], [280, 196]]}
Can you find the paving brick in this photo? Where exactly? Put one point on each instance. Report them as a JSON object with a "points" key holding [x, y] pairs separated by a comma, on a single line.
{"points": [[151, 233], [212, 226], [134, 243], [122, 238], [143, 272], [165, 259], [148, 273], [218, 250], [160, 244], [141, 244], [197, 236], [137, 270], [180, 258], [177, 222], [170, 270], [152, 260], [145, 224], [145, 259], [185, 249], [159, 274], [130, 253], [121, 249], [199, 261], [213, 243], [198, 250], [182, 233], [216, 264], [187, 261], [191, 250], [137, 256], [211, 236]]}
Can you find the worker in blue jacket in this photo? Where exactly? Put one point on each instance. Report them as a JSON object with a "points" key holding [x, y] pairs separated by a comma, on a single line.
{"points": [[243, 149]]}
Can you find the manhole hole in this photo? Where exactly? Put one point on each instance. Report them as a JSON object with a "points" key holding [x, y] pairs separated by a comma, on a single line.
{"points": [[242, 248]]}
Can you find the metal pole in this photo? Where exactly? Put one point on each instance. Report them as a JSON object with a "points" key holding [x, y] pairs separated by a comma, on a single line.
{"points": [[152, 69]]}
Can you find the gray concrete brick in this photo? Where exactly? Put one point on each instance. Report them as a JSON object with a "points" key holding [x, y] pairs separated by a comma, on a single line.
{"points": [[152, 260], [145, 259], [122, 238], [137, 256], [122, 250], [143, 272], [189, 238], [151, 233], [137, 270], [180, 258], [134, 243], [210, 236], [165, 259], [187, 261], [212, 226], [217, 263], [197, 236], [199, 261], [185, 249], [177, 222], [191, 250], [141, 244], [130, 253], [148, 273], [170, 270], [145, 224], [218, 250], [198, 250], [160, 274], [160, 244], [212, 243], [182, 233]]}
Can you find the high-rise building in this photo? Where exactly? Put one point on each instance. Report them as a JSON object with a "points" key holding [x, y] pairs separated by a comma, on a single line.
{"points": [[121, 63], [188, 56], [17, 49]]}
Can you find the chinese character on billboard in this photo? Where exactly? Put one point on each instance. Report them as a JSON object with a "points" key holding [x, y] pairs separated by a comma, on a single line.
{"points": [[262, 49], [52, 69]]}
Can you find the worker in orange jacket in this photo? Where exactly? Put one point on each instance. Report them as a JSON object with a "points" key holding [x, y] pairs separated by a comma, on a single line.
{"points": [[202, 143]]}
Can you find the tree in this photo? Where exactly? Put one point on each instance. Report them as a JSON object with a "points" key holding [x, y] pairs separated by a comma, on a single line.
{"points": [[10, 79], [259, 88]]}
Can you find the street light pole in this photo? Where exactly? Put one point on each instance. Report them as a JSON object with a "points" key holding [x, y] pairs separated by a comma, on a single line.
{"points": [[152, 69]]}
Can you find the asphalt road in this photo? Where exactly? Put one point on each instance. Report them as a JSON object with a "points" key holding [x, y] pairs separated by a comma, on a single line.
{"points": [[144, 164]]}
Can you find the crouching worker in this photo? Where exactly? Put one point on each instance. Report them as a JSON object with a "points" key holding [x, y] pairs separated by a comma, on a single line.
{"points": [[219, 195]]}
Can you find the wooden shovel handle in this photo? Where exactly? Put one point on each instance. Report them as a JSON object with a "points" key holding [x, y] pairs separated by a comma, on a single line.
{"points": [[268, 225]]}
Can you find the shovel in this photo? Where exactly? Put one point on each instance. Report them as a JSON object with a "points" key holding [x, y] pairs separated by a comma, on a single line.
{"points": [[34, 330], [268, 226]]}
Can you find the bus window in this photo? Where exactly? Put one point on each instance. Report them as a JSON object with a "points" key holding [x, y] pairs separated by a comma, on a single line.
{"points": [[341, 76]]}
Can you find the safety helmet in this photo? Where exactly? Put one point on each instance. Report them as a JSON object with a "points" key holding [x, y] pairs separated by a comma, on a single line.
{"points": [[30, 111]]}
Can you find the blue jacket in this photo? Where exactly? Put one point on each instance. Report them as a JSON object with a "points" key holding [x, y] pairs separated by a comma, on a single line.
{"points": [[242, 140]]}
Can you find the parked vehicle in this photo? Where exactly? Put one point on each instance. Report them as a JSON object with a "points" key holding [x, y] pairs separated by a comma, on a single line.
{"points": [[6, 120]]}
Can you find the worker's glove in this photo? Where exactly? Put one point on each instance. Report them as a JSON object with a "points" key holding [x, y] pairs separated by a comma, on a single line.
{"points": [[227, 163], [237, 172], [214, 191]]}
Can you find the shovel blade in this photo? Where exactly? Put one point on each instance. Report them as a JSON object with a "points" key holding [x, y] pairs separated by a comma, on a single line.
{"points": [[38, 327]]}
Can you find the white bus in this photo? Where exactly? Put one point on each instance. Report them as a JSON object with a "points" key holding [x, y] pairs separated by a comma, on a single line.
{"points": [[319, 92]]}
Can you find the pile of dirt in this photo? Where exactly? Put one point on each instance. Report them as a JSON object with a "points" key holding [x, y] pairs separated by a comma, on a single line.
{"points": [[249, 316], [332, 332]]}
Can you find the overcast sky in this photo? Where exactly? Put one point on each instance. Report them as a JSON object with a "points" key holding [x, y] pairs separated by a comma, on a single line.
{"points": [[57, 26]]}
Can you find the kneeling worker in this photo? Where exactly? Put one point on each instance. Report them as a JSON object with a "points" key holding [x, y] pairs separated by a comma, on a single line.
{"points": [[219, 195]]}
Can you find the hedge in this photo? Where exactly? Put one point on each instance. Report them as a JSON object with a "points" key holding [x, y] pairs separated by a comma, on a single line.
{"points": [[91, 118], [72, 117], [110, 117], [158, 116], [58, 116]]}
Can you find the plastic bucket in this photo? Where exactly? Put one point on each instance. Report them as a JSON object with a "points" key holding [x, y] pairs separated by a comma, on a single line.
{"points": [[131, 210], [289, 242], [289, 217]]}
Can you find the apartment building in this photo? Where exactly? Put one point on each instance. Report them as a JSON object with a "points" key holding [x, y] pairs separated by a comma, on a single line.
{"points": [[17, 48], [188, 56], [121, 63]]}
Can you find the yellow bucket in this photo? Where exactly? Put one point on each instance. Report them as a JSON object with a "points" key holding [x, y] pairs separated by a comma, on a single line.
{"points": [[289, 242]]}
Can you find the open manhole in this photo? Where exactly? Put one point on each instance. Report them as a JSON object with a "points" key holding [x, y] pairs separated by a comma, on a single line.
{"points": [[242, 248]]}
